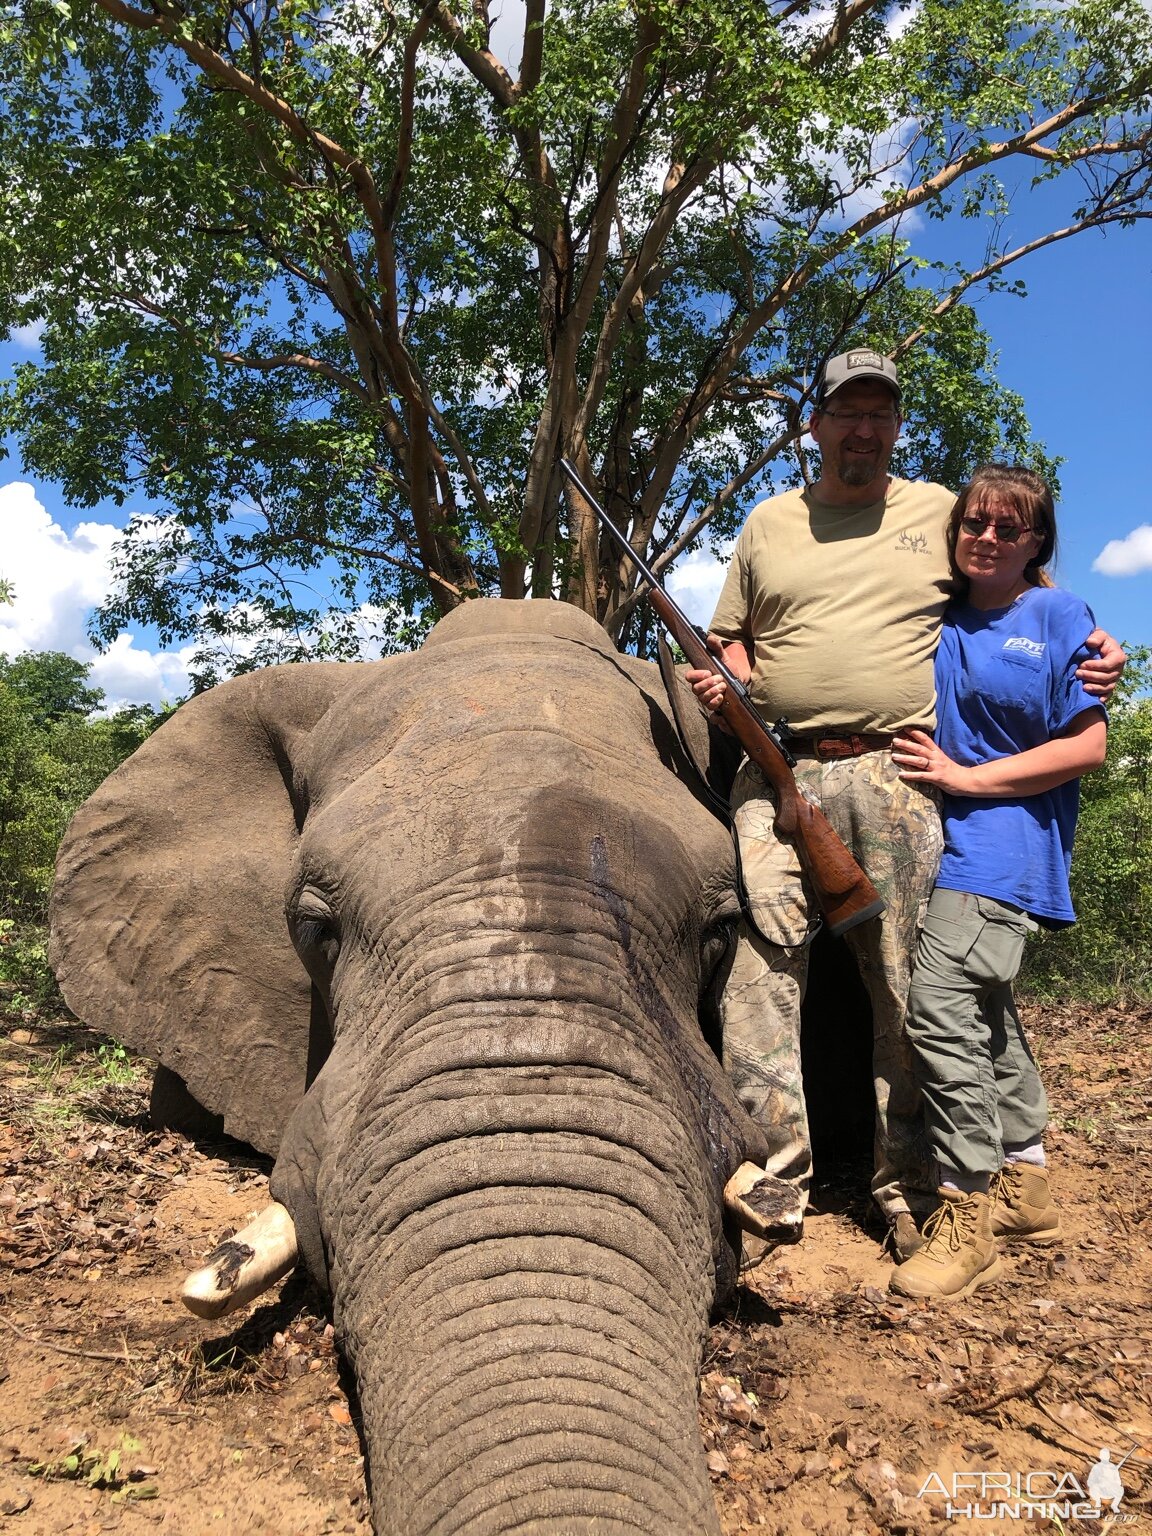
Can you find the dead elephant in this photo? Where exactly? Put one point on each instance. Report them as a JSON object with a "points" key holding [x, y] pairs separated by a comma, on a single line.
{"points": [[438, 932]]}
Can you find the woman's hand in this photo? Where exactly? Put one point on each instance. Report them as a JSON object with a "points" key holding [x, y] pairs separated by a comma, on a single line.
{"points": [[1080, 749], [921, 761]]}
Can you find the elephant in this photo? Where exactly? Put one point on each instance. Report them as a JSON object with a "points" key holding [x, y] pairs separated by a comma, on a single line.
{"points": [[442, 933]]}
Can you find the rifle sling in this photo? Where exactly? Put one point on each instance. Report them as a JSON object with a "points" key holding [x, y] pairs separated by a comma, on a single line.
{"points": [[674, 688]]}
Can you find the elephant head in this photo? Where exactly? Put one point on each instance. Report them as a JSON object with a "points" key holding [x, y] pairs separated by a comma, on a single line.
{"points": [[436, 930]]}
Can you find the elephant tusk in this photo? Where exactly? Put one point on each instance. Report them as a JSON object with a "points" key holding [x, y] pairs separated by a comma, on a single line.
{"points": [[243, 1266], [763, 1205]]}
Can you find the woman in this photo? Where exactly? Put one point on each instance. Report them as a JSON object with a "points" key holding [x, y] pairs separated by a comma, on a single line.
{"points": [[1015, 732]]}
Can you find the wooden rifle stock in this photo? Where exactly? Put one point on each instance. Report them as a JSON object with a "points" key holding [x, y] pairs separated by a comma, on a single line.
{"points": [[844, 892]]}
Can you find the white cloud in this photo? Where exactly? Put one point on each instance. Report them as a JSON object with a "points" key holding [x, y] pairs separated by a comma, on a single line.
{"points": [[27, 337], [58, 578], [900, 20], [695, 583], [129, 674], [1127, 556]]}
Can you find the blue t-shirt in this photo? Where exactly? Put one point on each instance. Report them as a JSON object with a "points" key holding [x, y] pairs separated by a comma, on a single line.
{"points": [[1006, 681]]}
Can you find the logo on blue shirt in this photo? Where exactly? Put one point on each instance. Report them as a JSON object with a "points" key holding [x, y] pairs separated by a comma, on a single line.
{"points": [[1029, 647]]}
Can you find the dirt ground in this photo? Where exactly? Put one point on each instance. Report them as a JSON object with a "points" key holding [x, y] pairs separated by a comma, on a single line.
{"points": [[825, 1404]]}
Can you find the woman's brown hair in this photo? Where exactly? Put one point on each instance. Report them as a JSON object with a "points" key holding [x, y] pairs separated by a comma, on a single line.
{"points": [[1029, 497]]}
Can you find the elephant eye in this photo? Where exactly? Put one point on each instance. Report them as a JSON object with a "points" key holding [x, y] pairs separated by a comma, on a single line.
{"points": [[315, 928], [719, 929], [318, 939]]}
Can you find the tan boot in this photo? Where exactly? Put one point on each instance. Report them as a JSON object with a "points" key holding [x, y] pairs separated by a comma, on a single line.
{"points": [[1022, 1205], [959, 1253]]}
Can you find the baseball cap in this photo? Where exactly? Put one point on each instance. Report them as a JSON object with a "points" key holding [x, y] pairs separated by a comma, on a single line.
{"points": [[848, 367]]}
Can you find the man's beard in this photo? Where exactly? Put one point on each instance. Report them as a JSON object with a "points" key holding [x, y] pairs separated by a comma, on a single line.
{"points": [[855, 471]]}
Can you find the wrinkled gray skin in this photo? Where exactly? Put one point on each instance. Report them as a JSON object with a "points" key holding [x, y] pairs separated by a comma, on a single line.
{"points": [[491, 859]]}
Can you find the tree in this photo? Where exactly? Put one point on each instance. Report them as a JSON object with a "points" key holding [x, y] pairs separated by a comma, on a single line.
{"points": [[52, 756], [1109, 950], [50, 685], [337, 287]]}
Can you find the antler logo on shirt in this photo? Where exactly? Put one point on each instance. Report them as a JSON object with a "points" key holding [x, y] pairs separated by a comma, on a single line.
{"points": [[916, 542]]}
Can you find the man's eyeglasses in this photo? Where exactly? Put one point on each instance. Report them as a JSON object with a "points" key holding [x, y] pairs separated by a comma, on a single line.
{"points": [[854, 418], [1006, 533]]}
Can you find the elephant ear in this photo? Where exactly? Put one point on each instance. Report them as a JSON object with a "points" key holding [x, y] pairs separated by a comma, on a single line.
{"points": [[710, 757], [168, 928]]}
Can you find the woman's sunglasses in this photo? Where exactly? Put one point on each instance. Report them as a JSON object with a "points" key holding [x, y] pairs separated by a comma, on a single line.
{"points": [[1006, 533]]}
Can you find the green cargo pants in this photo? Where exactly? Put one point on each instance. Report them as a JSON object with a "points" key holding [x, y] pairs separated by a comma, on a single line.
{"points": [[981, 1087], [893, 830]]}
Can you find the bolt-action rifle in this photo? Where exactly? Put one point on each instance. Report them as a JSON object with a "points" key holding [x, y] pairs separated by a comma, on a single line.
{"points": [[844, 892]]}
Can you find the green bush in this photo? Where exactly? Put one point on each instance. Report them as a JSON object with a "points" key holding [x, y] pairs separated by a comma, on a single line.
{"points": [[53, 754], [1108, 952]]}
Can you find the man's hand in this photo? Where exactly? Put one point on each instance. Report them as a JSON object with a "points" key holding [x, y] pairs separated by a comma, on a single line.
{"points": [[710, 687], [1101, 673]]}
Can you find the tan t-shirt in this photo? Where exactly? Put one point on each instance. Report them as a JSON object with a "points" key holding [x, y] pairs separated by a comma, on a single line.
{"points": [[843, 606]]}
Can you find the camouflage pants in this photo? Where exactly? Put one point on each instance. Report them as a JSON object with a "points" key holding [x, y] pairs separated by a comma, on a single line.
{"points": [[893, 830]]}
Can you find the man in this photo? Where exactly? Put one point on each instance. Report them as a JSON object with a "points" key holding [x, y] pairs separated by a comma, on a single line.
{"points": [[831, 611]]}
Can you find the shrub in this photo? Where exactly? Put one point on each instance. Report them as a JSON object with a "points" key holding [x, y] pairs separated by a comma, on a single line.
{"points": [[1108, 952], [53, 754]]}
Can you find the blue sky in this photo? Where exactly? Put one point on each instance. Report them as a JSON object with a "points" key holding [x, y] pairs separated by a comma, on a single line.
{"points": [[1076, 348]]}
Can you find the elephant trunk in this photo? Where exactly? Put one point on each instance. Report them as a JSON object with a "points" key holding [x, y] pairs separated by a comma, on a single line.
{"points": [[525, 1290], [535, 1381]]}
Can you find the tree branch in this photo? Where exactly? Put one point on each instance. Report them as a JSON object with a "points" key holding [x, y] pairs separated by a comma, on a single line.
{"points": [[480, 62], [391, 204], [301, 361], [846, 18], [685, 420], [1095, 221]]}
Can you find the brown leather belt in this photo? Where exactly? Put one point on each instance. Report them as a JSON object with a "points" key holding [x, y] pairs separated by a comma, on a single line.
{"points": [[825, 747]]}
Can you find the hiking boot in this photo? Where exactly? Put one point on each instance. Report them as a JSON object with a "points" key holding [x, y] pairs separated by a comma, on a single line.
{"points": [[904, 1237], [959, 1253], [1022, 1206]]}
